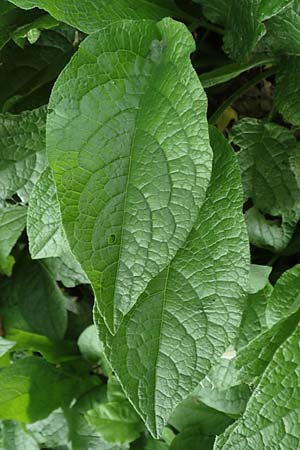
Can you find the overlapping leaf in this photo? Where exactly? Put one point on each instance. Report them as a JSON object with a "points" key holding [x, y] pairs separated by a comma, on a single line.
{"points": [[128, 143], [190, 312], [272, 415], [89, 16], [22, 152], [270, 165]]}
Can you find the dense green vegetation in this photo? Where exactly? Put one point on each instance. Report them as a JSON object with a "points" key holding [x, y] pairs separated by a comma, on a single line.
{"points": [[149, 224]]}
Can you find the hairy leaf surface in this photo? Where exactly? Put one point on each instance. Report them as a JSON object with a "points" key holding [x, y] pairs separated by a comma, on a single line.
{"points": [[272, 415], [22, 152], [190, 312], [128, 143], [12, 223], [270, 165]]}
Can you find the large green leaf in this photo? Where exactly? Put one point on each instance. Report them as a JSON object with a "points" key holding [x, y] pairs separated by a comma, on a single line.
{"points": [[22, 152], [270, 165], [189, 313], [127, 140], [272, 415], [31, 388], [51, 432], [91, 15]]}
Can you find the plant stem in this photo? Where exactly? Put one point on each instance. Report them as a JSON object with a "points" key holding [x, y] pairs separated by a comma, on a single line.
{"points": [[240, 92]]}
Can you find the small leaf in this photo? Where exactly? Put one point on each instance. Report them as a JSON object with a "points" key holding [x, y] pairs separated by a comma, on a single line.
{"points": [[22, 152], [116, 422], [12, 223]]}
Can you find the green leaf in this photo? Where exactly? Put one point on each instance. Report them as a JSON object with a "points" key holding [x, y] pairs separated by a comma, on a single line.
{"points": [[287, 85], [281, 317], [15, 438], [231, 71], [183, 322], [129, 197], [259, 276], [53, 431], [31, 388], [270, 165], [272, 415], [231, 401], [22, 152], [44, 228], [66, 269], [254, 318], [46, 235], [5, 346], [115, 422], [12, 223], [285, 298], [53, 352], [81, 434], [38, 298], [90, 344], [193, 413], [216, 10], [283, 30], [192, 438], [31, 32], [90, 16]]}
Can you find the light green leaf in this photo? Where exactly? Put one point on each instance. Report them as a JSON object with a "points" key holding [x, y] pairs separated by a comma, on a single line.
{"points": [[81, 434], [22, 152], [286, 89], [12, 223], [130, 182], [254, 318], [44, 228], [193, 413], [270, 165], [184, 321], [46, 235], [66, 269], [5, 346], [272, 416], [259, 277], [192, 438], [39, 300], [115, 422], [231, 401], [90, 344], [285, 298], [281, 317], [53, 431], [91, 16], [54, 352], [15, 438], [31, 32], [231, 71], [31, 388]]}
